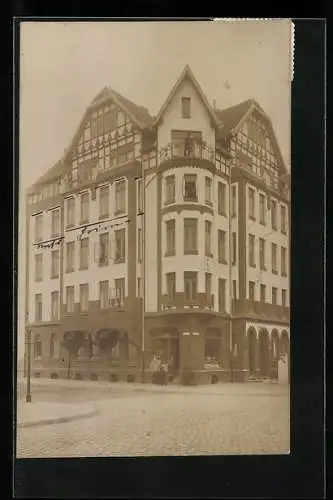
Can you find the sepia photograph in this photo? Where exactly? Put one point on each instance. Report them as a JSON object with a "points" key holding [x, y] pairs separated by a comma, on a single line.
{"points": [[154, 238]]}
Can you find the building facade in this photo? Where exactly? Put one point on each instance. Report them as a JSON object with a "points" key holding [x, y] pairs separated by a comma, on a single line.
{"points": [[162, 238]]}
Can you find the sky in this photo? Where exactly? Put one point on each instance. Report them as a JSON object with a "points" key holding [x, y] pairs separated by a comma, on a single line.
{"points": [[63, 66]]}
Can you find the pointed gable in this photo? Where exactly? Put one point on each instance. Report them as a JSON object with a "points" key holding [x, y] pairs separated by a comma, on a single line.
{"points": [[187, 75]]}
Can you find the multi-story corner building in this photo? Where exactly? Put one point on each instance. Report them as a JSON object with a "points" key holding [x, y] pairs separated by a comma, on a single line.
{"points": [[162, 235]]}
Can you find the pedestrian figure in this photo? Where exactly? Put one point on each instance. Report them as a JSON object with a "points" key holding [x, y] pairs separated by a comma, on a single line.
{"points": [[188, 146]]}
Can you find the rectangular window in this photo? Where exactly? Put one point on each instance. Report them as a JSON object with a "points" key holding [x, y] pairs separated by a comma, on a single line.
{"points": [[262, 210], [221, 198], [251, 291], [103, 259], [190, 236], [262, 250], [234, 289], [263, 293], [233, 249], [119, 285], [208, 238], [84, 297], [186, 107], [39, 267], [55, 263], [274, 258], [120, 197], [283, 219], [38, 307], [190, 187], [233, 201], [70, 249], [103, 294], [252, 261], [274, 214], [140, 195], [104, 201], [39, 227], [84, 207], [171, 286], [190, 285], [120, 245], [284, 298], [222, 287], [55, 222], [70, 203], [84, 253], [70, 299], [274, 296], [170, 189], [170, 226], [283, 261], [55, 305], [208, 191], [140, 290], [252, 210], [221, 243], [208, 285], [139, 245]]}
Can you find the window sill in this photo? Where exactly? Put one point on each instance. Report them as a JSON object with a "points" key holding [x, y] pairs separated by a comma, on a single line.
{"points": [[119, 261], [169, 254], [252, 265], [224, 214], [283, 232], [83, 268], [210, 203], [262, 222], [84, 313], [103, 216], [191, 252], [274, 271], [68, 271], [56, 277], [223, 261], [103, 264], [120, 212], [252, 217], [274, 228], [284, 275], [209, 255], [263, 268]]}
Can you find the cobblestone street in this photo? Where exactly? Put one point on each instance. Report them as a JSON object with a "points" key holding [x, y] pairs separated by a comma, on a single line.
{"points": [[157, 424]]}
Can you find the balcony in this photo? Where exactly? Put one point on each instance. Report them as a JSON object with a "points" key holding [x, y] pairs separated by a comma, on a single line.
{"points": [[244, 307], [202, 302], [195, 149]]}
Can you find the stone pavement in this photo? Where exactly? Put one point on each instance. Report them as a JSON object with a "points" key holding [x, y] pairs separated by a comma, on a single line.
{"points": [[44, 413], [235, 421]]}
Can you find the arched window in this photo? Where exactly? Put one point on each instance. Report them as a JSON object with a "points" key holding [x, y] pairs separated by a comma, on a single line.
{"points": [[37, 347]]}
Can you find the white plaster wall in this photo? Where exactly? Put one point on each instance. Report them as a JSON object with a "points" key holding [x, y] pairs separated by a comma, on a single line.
{"points": [[47, 285], [271, 236], [172, 118]]}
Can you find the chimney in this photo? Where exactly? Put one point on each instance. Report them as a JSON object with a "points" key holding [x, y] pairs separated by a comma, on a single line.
{"points": [[214, 103]]}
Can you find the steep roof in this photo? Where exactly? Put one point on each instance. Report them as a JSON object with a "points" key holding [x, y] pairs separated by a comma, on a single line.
{"points": [[187, 74], [140, 114], [52, 174], [233, 115]]}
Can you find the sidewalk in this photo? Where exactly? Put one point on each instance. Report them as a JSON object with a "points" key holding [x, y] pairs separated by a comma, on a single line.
{"points": [[249, 388], [44, 413]]}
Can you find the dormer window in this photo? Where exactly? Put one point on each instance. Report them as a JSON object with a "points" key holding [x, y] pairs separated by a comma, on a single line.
{"points": [[186, 107]]}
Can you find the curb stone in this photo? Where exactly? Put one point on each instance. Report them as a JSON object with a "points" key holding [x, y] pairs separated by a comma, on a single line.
{"points": [[59, 420]]}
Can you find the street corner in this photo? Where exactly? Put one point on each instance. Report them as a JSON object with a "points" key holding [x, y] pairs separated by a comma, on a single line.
{"points": [[46, 413]]}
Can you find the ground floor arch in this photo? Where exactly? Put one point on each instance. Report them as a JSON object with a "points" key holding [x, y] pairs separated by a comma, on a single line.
{"points": [[252, 350], [264, 361]]}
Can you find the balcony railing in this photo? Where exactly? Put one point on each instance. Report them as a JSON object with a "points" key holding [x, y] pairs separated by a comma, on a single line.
{"points": [[262, 308], [202, 301], [183, 149]]}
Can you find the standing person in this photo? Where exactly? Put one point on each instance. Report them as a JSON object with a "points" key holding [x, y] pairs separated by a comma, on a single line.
{"points": [[188, 146]]}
